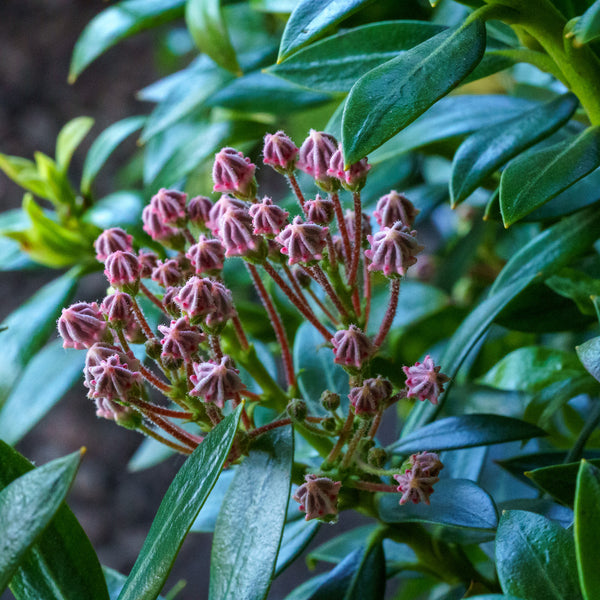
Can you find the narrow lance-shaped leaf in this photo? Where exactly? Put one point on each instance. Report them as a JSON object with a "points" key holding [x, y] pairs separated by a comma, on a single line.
{"points": [[388, 98], [482, 153], [27, 505], [529, 181], [69, 138], [250, 524], [587, 27], [178, 510], [311, 19], [589, 355]]}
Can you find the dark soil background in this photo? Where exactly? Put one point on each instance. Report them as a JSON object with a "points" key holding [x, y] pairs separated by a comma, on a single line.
{"points": [[115, 507]]}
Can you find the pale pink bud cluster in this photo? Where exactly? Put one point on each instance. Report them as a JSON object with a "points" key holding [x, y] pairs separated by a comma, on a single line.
{"points": [[181, 340], [371, 396], [424, 380], [267, 218], [315, 157], [216, 382], [113, 379], [317, 497]]}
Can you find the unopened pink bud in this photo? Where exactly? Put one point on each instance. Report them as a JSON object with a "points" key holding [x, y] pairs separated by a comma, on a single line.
{"points": [[315, 156], [181, 340], [112, 379], [169, 205], [117, 308], [365, 224], [320, 210], [155, 227], [415, 486], [102, 351], [216, 382], [110, 241], [355, 177], [198, 210], [122, 270], [280, 152], [267, 218], [223, 307], [219, 208], [234, 173], [424, 380], [395, 207], [352, 348], [427, 463], [393, 250], [370, 396], [236, 233], [168, 301], [113, 411], [207, 256], [195, 299], [148, 261], [303, 242], [81, 325], [318, 497], [167, 273]]}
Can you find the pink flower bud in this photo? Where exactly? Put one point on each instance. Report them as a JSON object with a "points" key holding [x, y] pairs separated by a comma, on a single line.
{"points": [[355, 177], [223, 307], [113, 411], [148, 261], [236, 234], [424, 380], [169, 205], [351, 347], [233, 172], [319, 211], [181, 340], [110, 241], [393, 250], [81, 325], [415, 486], [365, 224], [198, 210], [122, 270], [318, 497], [427, 463], [102, 351], [370, 396], [155, 227], [168, 301], [195, 299], [395, 207], [315, 156], [167, 273], [303, 242], [112, 379], [280, 152], [267, 218], [216, 382], [219, 208], [206, 256], [117, 308]]}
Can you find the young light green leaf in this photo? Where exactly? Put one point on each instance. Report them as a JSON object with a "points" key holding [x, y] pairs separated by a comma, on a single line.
{"points": [[389, 97], [587, 27], [466, 431], [103, 147], [178, 510], [531, 180], [69, 138], [313, 18], [250, 524], [207, 26], [25, 173], [483, 152], [589, 355], [535, 558], [28, 402], [117, 23], [587, 528], [27, 505]]}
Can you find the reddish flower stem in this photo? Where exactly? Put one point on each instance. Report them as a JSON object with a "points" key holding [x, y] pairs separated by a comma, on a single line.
{"points": [[154, 380], [241, 334], [161, 410], [287, 290], [339, 214], [390, 313], [357, 239], [152, 298], [280, 423], [277, 324], [250, 395], [331, 251], [296, 188], [163, 440], [367, 290], [173, 430], [347, 427], [187, 234], [374, 487], [215, 347], [295, 285], [139, 315], [323, 307], [320, 277], [375, 424]]}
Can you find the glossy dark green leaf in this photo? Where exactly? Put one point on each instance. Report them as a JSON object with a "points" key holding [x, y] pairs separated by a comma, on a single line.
{"points": [[115, 582], [274, 6], [313, 18], [103, 147], [178, 510], [587, 528], [62, 564], [29, 327], [336, 549], [119, 209], [27, 505], [578, 286], [334, 64], [587, 27], [531, 180], [589, 355], [250, 525], [28, 402], [466, 431], [495, 597], [369, 579], [455, 502], [207, 26], [483, 152], [117, 23], [535, 558], [389, 97], [297, 534], [206, 520], [69, 138]]}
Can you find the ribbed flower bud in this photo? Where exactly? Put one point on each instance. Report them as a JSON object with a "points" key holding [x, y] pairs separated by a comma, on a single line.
{"points": [[148, 261], [365, 225], [110, 241], [125, 416], [181, 340], [297, 409], [377, 457], [207, 256], [113, 379], [236, 233], [330, 400], [302, 278], [370, 396], [234, 173], [355, 177], [395, 207], [318, 497], [167, 273], [155, 227], [428, 463], [219, 208], [280, 152], [195, 299], [122, 270], [198, 210], [315, 156], [352, 348], [303, 242], [267, 218], [393, 250], [118, 309], [103, 351], [416, 483], [320, 210], [216, 381], [169, 205], [424, 380], [223, 307], [81, 325]]}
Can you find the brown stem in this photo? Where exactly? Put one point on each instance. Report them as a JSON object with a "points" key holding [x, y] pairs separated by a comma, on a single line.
{"points": [[187, 234], [319, 276], [331, 251], [295, 285], [375, 424], [154, 380], [163, 440], [250, 395], [297, 191], [173, 430], [374, 487], [215, 347], [241, 334], [277, 324], [323, 307], [139, 315], [357, 239], [342, 439], [367, 291], [161, 410], [245, 418], [342, 227], [353, 445], [268, 427], [152, 298], [390, 313]]}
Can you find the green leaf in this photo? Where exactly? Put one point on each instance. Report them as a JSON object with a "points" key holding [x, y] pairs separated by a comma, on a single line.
{"points": [[587, 528], [313, 18], [369, 579], [27, 505], [118, 22], [334, 64], [535, 558], [25, 173], [455, 502], [178, 510], [29, 327], [487, 150], [587, 27], [62, 564], [274, 6], [249, 527], [148, 454], [297, 534], [207, 27], [589, 355], [495, 597], [578, 286], [28, 402], [206, 520], [104, 146], [60, 191], [531, 180], [559, 480], [389, 97], [119, 209], [336, 549], [115, 582], [466, 431], [69, 138]]}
